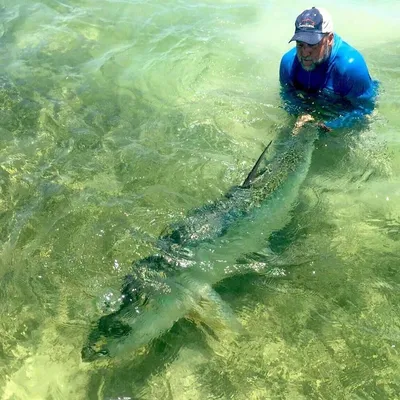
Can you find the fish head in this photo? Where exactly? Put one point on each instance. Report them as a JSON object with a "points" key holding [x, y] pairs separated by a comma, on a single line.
{"points": [[108, 329], [134, 326], [139, 291]]}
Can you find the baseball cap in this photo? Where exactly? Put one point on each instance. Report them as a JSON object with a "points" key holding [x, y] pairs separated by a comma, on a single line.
{"points": [[311, 25]]}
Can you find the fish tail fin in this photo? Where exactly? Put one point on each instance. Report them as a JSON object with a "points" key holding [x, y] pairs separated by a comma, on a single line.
{"points": [[253, 173]]}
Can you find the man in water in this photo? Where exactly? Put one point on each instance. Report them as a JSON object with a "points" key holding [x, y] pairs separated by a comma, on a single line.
{"points": [[323, 74]]}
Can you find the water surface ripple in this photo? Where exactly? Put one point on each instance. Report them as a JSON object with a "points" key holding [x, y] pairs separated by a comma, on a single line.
{"points": [[117, 117]]}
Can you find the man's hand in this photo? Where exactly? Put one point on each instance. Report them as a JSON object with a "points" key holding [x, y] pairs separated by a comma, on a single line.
{"points": [[303, 119]]}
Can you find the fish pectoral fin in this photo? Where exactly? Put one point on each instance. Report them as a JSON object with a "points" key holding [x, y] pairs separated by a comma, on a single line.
{"points": [[215, 316]]}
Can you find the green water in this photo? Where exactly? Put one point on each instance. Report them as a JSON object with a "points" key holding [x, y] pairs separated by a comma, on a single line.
{"points": [[117, 117]]}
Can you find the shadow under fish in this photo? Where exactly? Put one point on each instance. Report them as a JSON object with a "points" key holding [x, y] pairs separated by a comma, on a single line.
{"points": [[202, 250]]}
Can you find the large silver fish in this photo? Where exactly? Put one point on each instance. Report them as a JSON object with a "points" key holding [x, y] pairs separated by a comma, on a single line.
{"points": [[200, 251]]}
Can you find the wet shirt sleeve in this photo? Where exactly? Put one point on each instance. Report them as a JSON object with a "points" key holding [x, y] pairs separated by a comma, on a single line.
{"points": [[292, 101], [353, 83]]}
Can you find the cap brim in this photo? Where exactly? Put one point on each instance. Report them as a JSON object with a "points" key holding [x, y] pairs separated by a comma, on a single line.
{"points": [[307, 37]]}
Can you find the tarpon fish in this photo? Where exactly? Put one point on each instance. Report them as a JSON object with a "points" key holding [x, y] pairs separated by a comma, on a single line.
{"points": [[200, 251]]}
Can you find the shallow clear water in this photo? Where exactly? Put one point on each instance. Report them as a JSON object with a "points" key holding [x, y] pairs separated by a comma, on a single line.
{"points": [[117, 118]]}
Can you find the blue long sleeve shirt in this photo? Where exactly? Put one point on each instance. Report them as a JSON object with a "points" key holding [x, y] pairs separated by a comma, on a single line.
{"points": [[340, 89]]}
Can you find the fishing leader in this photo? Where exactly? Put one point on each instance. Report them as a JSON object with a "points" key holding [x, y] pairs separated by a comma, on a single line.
{"points": [[323, 76]]}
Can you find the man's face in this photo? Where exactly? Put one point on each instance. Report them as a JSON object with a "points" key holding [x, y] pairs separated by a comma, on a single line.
{"points": [[310, 56]]}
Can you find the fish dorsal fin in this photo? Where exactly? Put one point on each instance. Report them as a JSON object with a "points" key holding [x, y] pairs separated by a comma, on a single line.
{"points": [[253, 173]]}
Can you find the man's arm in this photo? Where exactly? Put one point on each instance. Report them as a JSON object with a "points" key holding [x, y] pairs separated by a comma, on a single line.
{"points": [[352, 82], [356, 86], [293, 101], [291, 98]]}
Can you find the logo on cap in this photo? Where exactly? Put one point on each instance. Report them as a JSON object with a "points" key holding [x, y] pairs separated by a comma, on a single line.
{"points": [[307, 24]]}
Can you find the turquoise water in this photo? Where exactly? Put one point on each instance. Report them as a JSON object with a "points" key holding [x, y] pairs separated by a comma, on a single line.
{"points": [[117, 118]]}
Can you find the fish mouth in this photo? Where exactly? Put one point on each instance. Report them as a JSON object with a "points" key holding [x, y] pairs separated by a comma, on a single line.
{"points": [[96, 347], [136, 292], [109, 328], [90, 354]]}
